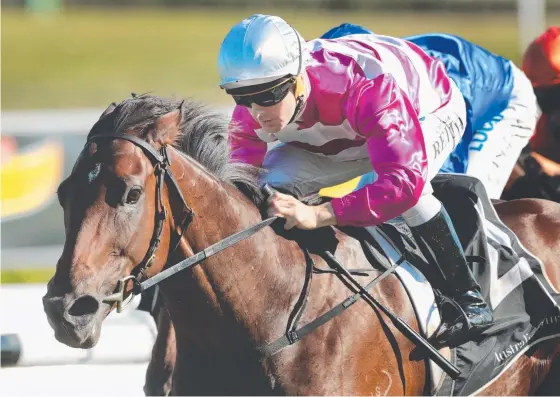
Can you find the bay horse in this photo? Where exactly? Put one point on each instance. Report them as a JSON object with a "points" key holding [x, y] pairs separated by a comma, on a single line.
{"points": [[117, 208]]}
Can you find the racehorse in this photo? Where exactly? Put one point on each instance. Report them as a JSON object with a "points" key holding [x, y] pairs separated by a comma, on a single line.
{"points": [[153, 185]]}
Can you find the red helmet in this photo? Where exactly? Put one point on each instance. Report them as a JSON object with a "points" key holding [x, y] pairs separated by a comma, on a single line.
{"points": [[541, 61]]}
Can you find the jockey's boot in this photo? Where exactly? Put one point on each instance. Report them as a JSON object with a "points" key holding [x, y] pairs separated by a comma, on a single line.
{"points": [[441, 246]]}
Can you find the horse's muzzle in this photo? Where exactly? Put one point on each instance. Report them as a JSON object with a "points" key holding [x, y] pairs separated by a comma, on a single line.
{"points": [[76, 320]]}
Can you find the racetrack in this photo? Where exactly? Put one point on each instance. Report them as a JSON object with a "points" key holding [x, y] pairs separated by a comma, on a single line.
{"points": [[73, 380], [39, 365]]}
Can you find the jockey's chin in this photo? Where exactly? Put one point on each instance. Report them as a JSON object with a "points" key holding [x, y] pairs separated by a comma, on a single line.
{"points": [[273, 118]]}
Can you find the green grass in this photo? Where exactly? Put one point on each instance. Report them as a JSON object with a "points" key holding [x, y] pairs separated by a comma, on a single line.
{"points": [[23, 276], [93, 57]]}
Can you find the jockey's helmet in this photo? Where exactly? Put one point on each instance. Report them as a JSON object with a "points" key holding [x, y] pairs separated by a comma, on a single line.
{"points": [[258, 51], [541, 61]]}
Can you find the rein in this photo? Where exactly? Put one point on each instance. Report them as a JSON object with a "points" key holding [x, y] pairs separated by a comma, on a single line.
{"points": [[293, 335]]}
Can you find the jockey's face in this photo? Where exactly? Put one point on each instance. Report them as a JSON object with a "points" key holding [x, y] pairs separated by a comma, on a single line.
{"points": [[273, 118]]}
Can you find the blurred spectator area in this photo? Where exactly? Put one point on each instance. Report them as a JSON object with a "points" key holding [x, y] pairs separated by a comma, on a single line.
{"points": [[8, 146], [412, 5]]}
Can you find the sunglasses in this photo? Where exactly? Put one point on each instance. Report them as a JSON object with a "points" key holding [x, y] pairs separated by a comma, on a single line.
{"points": [[268, 97]]}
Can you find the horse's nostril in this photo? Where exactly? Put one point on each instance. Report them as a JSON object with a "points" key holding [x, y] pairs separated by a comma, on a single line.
{"points": [[83, 306]]}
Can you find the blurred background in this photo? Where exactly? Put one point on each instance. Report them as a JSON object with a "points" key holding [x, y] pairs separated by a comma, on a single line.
{"points": [[64, 61]]}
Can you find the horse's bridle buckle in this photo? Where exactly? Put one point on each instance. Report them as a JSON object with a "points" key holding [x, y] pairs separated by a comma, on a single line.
{"points": [[118, 296]]}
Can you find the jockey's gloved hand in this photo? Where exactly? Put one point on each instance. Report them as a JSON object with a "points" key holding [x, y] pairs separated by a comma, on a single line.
{"points": [[268, 191]]}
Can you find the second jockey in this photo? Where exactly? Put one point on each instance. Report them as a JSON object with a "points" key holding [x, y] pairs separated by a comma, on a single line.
{"points": [[538, 171], [342, 108], [541, 63]]}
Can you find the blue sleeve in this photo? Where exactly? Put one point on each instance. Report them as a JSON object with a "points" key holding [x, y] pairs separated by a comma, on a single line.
{"points": [[484, 79], [345, 29]]}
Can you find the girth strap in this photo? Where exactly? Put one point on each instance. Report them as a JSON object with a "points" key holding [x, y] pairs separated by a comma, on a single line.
{"points": [[293, 336]]}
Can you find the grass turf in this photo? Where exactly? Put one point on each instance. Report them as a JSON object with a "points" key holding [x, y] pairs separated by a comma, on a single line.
{"points": [[91, 57], [23, 276]]}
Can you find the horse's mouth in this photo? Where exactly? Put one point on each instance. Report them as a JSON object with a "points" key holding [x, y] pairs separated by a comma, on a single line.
{"points": [[77, 331], [83, 338]]}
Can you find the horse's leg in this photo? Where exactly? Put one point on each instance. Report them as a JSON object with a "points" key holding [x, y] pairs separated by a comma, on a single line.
{"points": [[160, 369], [537, 224]]}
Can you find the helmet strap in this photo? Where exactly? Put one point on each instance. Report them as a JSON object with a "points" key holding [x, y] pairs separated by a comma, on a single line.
{"points": [[300, 96]]}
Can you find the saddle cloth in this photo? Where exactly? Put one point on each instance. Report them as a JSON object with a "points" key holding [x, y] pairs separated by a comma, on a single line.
{"points": [[525, 304]]}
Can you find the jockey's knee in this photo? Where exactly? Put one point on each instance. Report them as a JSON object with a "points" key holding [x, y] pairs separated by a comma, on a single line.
{"points": [[425, 209]]}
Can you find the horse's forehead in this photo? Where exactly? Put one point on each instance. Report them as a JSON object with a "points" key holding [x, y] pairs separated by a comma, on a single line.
{"points": [[122, 157], [128, 159]]}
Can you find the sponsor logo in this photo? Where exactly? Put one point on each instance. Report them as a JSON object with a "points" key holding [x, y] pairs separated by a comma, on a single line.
{"points": [[501, 357]]}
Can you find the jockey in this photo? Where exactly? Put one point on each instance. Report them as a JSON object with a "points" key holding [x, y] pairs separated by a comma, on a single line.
{"points": [[541, 63], [341, 108], [502, 110]]}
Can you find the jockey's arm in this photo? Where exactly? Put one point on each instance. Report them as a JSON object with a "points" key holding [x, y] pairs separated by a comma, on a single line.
{"points": [[245, 146], [379, 110]]}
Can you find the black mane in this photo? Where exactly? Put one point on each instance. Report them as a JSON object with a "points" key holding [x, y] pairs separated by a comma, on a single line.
{"points": [[204, 136]]}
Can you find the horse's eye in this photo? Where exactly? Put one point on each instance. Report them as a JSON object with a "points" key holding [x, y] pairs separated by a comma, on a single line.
{"points": [[134, 195]]}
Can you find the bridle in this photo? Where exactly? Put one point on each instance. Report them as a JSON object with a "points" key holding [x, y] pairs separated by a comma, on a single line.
{"points": [[162, 171]]}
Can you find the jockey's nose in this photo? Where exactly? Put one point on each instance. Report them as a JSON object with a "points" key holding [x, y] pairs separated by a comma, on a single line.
{"points": [[258, 110]]}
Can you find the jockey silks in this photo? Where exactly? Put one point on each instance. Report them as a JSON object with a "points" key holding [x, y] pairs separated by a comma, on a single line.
{"points": [[367, 98]]}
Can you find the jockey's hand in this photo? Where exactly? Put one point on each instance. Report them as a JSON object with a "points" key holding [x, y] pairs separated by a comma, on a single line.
{"points": [[298, 214]]}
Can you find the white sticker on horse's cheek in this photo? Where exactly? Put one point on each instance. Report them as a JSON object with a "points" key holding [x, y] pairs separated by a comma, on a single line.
{"points": [[94, 172]]}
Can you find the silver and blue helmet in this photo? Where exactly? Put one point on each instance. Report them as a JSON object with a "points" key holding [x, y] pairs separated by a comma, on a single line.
{"points": [[258, 50]]}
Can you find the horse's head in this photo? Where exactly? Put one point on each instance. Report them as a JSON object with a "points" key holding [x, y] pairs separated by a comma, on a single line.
{"points": [[117, 215]]}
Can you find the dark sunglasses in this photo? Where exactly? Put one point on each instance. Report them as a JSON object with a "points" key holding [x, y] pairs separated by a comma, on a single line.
{"points": [[267, 97]]}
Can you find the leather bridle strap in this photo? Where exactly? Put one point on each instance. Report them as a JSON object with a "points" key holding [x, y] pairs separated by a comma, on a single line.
{"points": [[161, 170], [202, 255]]}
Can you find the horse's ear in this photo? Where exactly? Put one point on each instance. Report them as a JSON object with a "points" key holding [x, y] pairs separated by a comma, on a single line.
{"points": [[109, 109], [167, 127]]}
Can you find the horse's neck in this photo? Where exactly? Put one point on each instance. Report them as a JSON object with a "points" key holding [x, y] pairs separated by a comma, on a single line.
{"points": [[239, 292]]}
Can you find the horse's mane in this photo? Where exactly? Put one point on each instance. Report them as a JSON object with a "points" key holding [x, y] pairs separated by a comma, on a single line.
{"points": [[203, 136]]}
